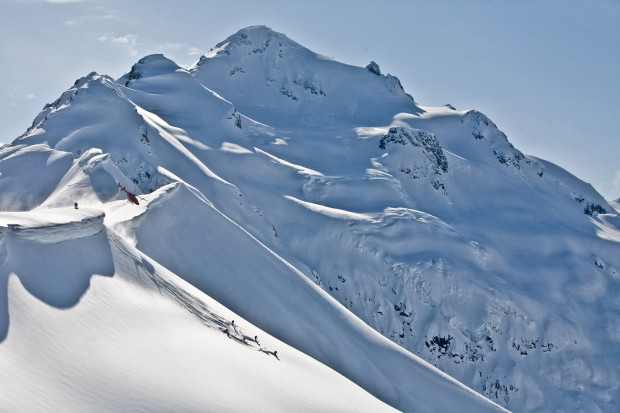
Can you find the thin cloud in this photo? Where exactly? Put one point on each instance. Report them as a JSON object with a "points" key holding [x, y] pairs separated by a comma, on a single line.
{"points": [[129, 42], [17, 99], [53, 1], [170, 46], [615, 186]]}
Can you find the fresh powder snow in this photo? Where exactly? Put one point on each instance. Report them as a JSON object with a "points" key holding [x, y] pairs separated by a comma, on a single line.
{"points": [[308, 238]]}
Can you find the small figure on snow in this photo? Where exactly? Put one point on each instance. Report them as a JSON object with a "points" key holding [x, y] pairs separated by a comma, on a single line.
{"points": [[273, 353], [248, 338], [75, 205]]}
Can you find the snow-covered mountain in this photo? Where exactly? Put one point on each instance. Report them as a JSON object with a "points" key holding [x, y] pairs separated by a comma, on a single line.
{"points": [[363, 237]]}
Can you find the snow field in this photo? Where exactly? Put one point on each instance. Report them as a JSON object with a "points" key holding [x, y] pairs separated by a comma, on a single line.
{"points": [[319, 202], [129, 342]]}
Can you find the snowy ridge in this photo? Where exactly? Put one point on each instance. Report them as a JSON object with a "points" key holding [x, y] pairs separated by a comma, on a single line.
{"points": [[129, 265], [317, 205], [53, 228], [183, 350], [286, 286]]}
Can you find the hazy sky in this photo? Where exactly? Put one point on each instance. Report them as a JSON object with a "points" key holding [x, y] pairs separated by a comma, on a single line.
{"points": [[546, 72]]}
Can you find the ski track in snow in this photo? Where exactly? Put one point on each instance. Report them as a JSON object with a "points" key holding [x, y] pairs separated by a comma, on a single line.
{"points": [[192, 304]]}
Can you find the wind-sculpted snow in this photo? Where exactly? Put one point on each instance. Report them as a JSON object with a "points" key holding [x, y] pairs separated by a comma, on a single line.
{"points": [[318, 201], [175, 96], [79, 124], [54, 252], [52, 230], [242, 273], [149, 66], [140, 340]]}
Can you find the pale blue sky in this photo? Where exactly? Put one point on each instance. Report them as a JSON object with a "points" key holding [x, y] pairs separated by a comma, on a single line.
{"points": [[546, 72]]}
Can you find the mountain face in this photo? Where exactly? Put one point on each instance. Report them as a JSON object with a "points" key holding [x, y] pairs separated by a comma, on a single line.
{"points": [[318, 204], [302, 87]]}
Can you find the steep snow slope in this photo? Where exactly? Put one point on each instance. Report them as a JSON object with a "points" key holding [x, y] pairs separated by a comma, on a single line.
{"points": [[112, 330], [218, 256], [294, 186], [437, 232]]}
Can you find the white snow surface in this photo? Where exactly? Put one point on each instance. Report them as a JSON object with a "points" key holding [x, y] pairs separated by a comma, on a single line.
{"points": [[114, 331], [396, 256]]}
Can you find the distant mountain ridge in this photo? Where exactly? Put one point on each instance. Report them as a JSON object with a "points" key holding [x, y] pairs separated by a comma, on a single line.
{"points": [[314, 198]]}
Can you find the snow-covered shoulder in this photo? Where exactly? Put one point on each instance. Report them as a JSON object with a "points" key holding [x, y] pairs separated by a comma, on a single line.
{"points": [[53, 225]]}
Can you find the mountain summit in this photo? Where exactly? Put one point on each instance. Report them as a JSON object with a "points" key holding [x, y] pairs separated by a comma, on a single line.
{"points": [[307, 236], [293, 85]]}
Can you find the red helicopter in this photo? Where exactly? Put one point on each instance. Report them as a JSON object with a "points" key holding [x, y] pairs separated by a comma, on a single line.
{"points": [[131, 197]]}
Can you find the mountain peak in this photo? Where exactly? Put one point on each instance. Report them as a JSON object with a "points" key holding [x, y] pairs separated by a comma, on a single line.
{"points": [[149, 66], [91, 81], [264, 73], [372, 67], [256, 33], [250, 40]]}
